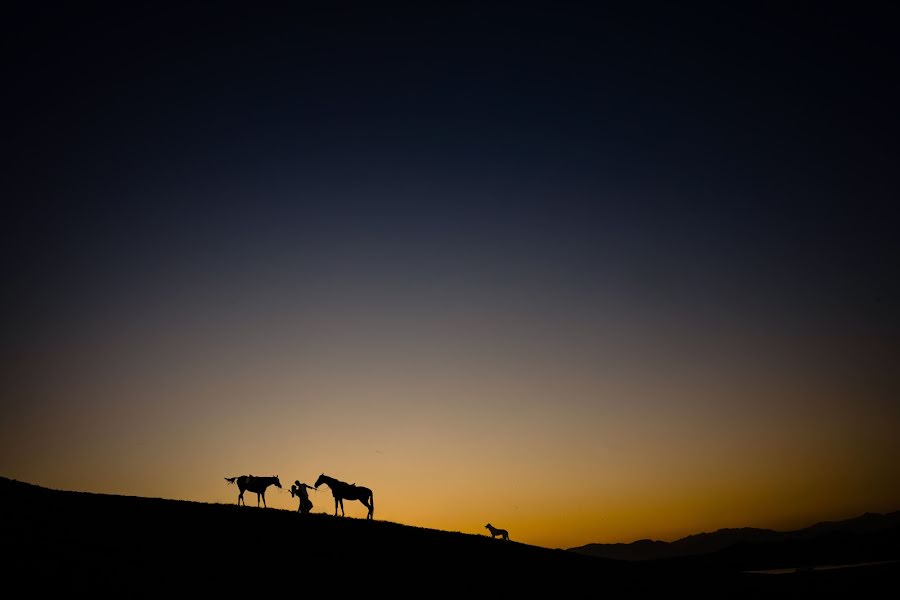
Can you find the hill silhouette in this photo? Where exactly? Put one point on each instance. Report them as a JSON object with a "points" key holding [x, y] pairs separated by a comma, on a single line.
{"points": [[869, 526], [127, 546]]}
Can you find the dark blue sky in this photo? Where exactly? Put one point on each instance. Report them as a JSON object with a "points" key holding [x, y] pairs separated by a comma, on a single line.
{"points": [[743, 149]]}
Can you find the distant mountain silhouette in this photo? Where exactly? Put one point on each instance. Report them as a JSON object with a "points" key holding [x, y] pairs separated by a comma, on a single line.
{"points": [[109, 546], [706, 543]]}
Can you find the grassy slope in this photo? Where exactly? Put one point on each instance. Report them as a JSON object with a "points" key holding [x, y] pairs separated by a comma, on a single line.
{"points": [[140, 547]]}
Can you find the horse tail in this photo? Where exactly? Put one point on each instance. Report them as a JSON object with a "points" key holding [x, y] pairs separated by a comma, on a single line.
{"points": [[371, 504]]}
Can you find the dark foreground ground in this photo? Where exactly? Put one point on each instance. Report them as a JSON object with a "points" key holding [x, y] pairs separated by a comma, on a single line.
{"points": [[123, 547]]}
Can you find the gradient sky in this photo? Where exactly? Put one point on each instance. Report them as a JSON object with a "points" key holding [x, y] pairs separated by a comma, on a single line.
{"points": [[591, 275]]}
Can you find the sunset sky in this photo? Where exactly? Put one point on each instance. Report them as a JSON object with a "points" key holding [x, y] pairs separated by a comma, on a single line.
{"points": [[591, 275]]}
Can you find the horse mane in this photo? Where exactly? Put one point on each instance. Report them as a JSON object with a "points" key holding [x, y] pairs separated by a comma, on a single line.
{"points": [[338, 481]]}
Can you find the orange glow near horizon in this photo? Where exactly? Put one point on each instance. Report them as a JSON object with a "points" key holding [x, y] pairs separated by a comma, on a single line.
{"points": [[559, 452]]}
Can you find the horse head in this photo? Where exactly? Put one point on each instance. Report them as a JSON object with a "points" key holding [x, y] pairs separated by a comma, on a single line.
{"points": [[319, 481], [277, 481]]}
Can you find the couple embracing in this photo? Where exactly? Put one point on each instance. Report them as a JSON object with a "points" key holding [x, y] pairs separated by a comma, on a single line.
{"points": [[299, 490]]}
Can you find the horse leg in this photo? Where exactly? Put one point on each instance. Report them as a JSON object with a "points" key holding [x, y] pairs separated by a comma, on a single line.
{"points": [[342, 507], [264, 500], [335, 506]]}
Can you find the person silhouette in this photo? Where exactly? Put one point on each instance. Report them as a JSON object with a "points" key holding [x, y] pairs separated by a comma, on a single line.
{"points": [[299, 490]]}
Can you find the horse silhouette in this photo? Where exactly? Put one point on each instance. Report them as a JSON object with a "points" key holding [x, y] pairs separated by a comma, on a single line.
{"points": [[347, 491], [254, 484], [497, 532]]}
